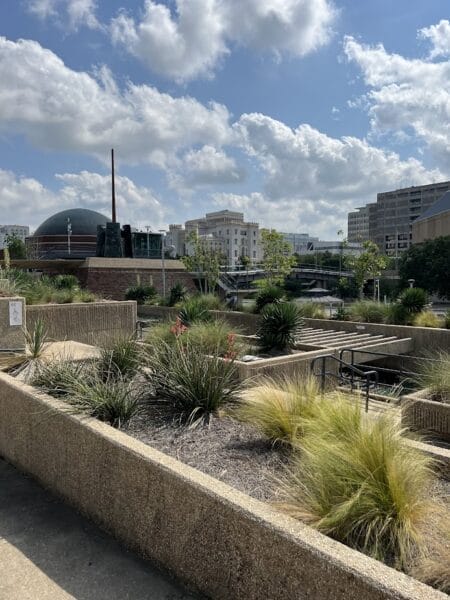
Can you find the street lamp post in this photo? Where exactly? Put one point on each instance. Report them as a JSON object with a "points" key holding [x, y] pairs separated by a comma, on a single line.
{"points": [[411, 282], [148, 228], [69, 233], [163, 265]]}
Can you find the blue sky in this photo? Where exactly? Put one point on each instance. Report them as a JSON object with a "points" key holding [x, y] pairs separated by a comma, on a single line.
{"points": [[292, 111]]}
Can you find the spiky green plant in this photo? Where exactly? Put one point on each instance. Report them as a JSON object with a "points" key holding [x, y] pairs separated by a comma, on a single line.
{"points": [[413, 300], [359, 482], [193, 310], [434, 373], [269, 294], [192, 384], [119, 359], [140, 293], [279, 407], [59, 378], [66, 282], [178, 293], [280, 323], [447, 320]]}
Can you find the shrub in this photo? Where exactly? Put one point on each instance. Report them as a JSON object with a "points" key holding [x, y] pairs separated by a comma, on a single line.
{"points": [[63, 296], [85, 296], [434, 373], [194, 309], [65, 282], [24, 365], [269, 294], [279, 326], [362, 485], [178, 293], [161, 332], [278, 408], [427, 318], [119, 360], [140, 293], [367, 311], [397, 314], [192, 384], [114, 401], [58, 378], [447, 320], [413, 300], [341, 314], [311, 310], [211, 301], [215, 337]]}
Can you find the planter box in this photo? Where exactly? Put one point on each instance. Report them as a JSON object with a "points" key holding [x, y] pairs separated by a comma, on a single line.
{"points": [[425, 415], [90, 323], [12, 324], [217, 540]]}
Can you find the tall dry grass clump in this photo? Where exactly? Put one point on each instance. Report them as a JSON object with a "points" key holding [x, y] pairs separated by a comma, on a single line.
{"points": [[278, 408], [358, 481], [434, 373]]}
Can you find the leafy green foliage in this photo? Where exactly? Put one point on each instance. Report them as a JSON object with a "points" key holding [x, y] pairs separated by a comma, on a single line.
{"points": [[16, 247], [58, 378], [280, 323], [65, 282], [447, 320], [269, 294], [341, 314], [368, 265], [120, 359], [194, 309], [140, 293], [278, 408], [311, 310], [413, 300], [204, 260], [427, 264], [192, 384], [359, 482], [277, 258]]}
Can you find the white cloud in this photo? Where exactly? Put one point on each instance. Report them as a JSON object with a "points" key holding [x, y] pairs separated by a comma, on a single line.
{"points": [[312, 180], [407, 94], [26, 201], [191, 41], [439, 36], [76, 13], [58, 108]]}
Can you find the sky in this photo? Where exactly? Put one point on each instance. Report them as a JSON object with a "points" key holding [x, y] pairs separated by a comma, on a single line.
{"points": [[291, 111]]}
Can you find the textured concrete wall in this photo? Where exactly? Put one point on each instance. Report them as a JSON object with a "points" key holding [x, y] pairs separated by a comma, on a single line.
{"points": [[11, 337], [90, 323], [426, 416], [211, 536]]}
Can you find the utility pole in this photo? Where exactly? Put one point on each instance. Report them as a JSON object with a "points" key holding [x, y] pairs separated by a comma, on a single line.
{"points": [[69, 233], [163, 264], [113, 187]]}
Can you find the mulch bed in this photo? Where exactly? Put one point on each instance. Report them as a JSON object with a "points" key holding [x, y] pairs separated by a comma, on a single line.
{"points": [[230, 451]]}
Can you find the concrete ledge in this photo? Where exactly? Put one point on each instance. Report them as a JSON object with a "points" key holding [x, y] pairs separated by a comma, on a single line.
{"points": [[89, 323], [214, 538], [426, 416]]}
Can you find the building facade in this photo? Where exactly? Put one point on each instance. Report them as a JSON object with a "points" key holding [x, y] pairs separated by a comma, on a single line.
{"points": [[391, 218], [19, 231], [434, 222], [358, 224], [301, 243], [224, 231]]}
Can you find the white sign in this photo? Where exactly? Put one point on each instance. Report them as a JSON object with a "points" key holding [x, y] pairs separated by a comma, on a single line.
{"points": [[15, 313]]}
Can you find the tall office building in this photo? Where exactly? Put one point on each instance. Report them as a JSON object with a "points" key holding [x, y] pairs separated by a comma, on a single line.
{"points": [[358, 224]]}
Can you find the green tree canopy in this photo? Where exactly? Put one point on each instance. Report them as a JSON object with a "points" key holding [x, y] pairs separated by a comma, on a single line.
{"points": [[203, 260], [16, 247], [429, 265], [368, 265], [277, 258]]}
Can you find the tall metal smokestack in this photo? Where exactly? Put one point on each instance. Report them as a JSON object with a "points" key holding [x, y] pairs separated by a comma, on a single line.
{"points": [[113, 188]]}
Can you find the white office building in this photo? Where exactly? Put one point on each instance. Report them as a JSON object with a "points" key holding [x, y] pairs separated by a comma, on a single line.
{"points": [[20, 231]]}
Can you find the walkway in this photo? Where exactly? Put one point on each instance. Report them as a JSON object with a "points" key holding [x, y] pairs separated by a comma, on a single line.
{"points": [[49, 552]]}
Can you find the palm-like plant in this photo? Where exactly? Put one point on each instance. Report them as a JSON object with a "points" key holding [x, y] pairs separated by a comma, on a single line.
{"points": [[279, 326]]}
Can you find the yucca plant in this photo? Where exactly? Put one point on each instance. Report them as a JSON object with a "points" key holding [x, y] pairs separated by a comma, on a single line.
{"points": [[434, 373], [279, 408], [66, 282], [192, 384], [115, 401], [59, 378], [413, 300], [280, 324], [269, 294], [178, 293], [193, 310], [119, 359], [362, 484], [36, 340]]}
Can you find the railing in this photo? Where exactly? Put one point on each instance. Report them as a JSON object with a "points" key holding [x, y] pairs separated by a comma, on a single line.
{"points": [[361, 375]]}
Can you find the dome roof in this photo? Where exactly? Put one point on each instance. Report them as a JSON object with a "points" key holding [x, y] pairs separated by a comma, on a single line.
{"points": [[82, 220]]}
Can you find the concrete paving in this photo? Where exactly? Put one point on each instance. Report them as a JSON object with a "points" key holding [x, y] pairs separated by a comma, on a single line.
{"points": [[49, 552]]}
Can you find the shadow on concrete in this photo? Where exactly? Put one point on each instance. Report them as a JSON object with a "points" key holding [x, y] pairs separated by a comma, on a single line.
{"points": [[48, 551]]}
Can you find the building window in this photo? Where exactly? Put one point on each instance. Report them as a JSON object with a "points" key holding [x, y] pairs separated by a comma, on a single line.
{"points": [[235, 241], [254, 254], [235, 232], [235, 252]]}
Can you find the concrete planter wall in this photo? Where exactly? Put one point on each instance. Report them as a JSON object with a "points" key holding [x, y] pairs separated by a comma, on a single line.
{"points": [[424, 415], [90, 323], [11, 336], [214, 538]]}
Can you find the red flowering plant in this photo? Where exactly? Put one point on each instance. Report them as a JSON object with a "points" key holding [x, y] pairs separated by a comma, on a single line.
{"points": [[178, 328], [231, 352]]}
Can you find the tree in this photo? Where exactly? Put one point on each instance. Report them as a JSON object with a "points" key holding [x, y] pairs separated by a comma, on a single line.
{"points": [[277, 258], [204, 260], [16, 247], [428, 264], [368, 265]]}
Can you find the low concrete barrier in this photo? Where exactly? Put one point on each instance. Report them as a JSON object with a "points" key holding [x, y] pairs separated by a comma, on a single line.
{"points": [[426, 416], [214, 538], [12, 323], [90, 323]]}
